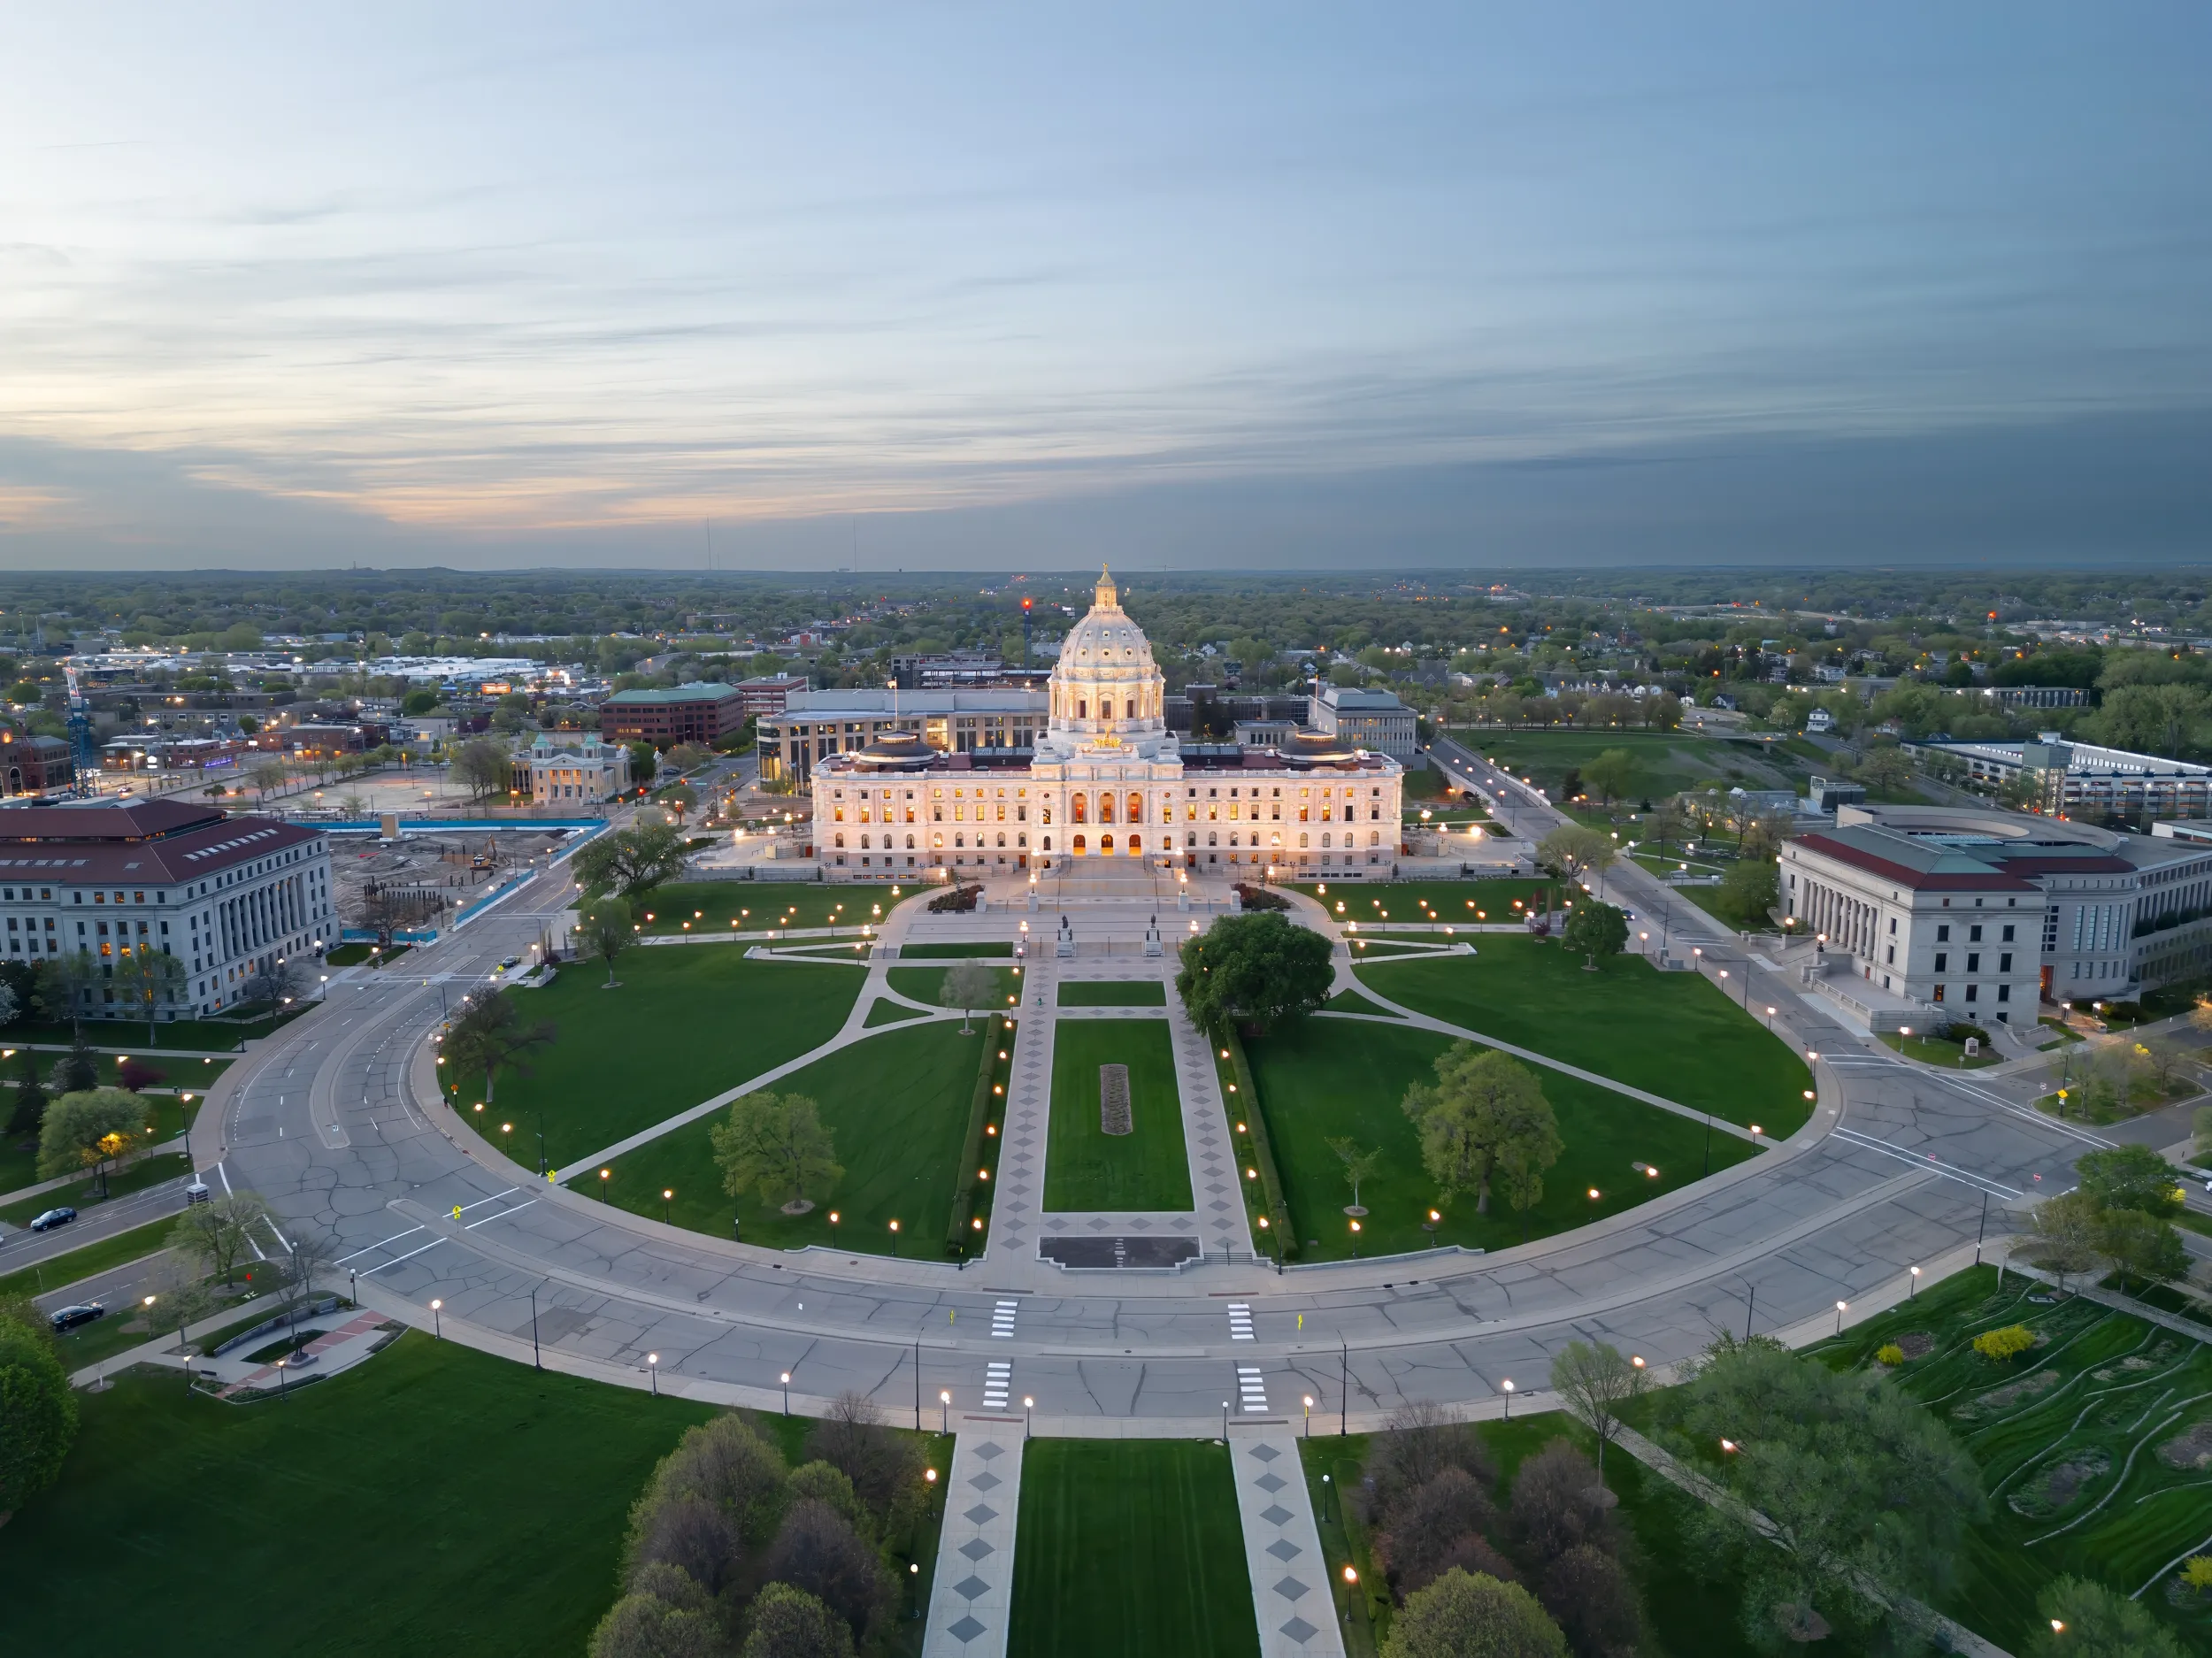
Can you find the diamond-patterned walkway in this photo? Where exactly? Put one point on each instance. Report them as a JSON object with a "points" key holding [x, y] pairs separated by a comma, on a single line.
{"points": [[975, 1556], [1282, 1548]]}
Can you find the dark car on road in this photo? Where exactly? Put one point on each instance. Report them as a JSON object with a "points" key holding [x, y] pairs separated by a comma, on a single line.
{"points": [[52, 1218], [70, 1317]]}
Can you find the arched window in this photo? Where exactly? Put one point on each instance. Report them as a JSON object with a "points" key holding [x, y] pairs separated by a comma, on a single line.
{"points": [[1374, 837], [1081, 845], [1082, 709], [1080, 805], [1136, 808], [1001, 837], [1212, 838], [1325, 837], [1022, 838], [1105, 843], [1047, 846], [938, 840], [864, 843], [1106, 806], [1136, 845], [840, 838]]}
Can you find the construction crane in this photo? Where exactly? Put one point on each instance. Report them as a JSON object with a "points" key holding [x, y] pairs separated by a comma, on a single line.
{"points": [[79, 732]]}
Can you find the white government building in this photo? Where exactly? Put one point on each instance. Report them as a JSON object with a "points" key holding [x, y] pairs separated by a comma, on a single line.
{"points": [[1107, 779]]}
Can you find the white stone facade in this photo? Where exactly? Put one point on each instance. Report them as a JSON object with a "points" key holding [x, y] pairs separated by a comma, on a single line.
{"points": [[579, 771], [1108, 780]]}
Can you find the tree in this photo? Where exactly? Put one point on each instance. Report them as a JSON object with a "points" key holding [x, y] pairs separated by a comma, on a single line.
{"points": [[1595, 930], [818, 1552], [76, 1072], [1595, 1602], [2067, 1229], [645, 1625], [310, 1253], [1749, 889], [775, 1144], [1867, 1493], [2128, 1177], [1663, 712], [788, 1622], [630, 862], [1357, 1166], [1594, 1382], [66, 983], [1472, 1614], [1483, 1108], [678, 801], [268, 777], [30, 1099], [38, 1415], [606, 930], [354, 806], [1571, 851], [218, 1233], [1667, 824], [1613, 774], [645, 763], [482, 767], [968, 986], [490, 1033], [1885, 771], [2076, 1618], [88, 1131], [273, 986], [689, 756], [150, 977], [2141, 1246], [1262, 970]]}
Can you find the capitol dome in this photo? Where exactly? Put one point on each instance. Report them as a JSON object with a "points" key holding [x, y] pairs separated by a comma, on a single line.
{"points": [[1106, 683]]}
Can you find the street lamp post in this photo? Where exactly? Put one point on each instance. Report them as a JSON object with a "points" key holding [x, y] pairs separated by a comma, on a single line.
{"points": [[944, 1410], [787, 1393], [653, 1371], [1028, 1405], [1914, 1293], [894, 1240], [1840, 1307], [437, 1319], [1343, 1385], [537, 1356], [1506, 1385], [1309, 1416]]}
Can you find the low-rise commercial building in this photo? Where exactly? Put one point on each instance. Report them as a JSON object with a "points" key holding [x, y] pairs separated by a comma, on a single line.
{"points": [[1368, 719], [2073, 779], [768, 693], [572, 770], [36, 766], [698, 712]]}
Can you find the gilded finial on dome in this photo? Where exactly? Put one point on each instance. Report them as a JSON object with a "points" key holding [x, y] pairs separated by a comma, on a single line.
{"points": [[1107, 596]]}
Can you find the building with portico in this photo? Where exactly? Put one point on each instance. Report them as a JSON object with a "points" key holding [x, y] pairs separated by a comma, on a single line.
{"points": [[1107, 778]]}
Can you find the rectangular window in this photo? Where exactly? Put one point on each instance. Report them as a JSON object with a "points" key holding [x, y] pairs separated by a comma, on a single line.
{"points": [[1943, 935], [2008, 934], [1974, 934], [2004, 993], [1973, 961], [1971, 992], [1942, 961], [2004, 962], [1938, 994]]}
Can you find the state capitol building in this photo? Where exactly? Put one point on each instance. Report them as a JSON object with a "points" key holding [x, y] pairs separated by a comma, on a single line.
{"points": [[1108, 780]]}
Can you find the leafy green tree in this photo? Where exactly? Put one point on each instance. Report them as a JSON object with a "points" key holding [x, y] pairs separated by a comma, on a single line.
{"points": [[606, 930], [647, 1624], [1885, 771], [2076, 1618], [2130, 1176], [38, 1415], [788, 1622], [1613, 774], [2141, 1246], [1668, 824], [218, 1234], [645, 762], [1260, 970], [490, 1033], [89, 1130], [1867, 1493], [482, 767], [968, 986], [1486, 1109], [631, 863], [1595, 1384], [1572, 850], [775, 1144], [1472, 1614], [29, 1110], [2068, 1230], [1593, 930], [1749, 889]]}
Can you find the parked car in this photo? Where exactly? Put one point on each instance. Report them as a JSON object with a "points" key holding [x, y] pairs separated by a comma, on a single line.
{"points": [[52, 1218], [510, 961], [70, 1317]]}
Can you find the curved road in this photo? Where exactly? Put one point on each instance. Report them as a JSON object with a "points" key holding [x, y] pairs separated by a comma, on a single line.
{"points": [[1894, 1170]]}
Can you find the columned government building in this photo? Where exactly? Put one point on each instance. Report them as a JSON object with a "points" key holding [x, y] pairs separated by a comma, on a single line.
{"points": [[1107, 779]]}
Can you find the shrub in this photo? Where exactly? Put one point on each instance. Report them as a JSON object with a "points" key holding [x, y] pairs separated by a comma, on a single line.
{"points": [[40, 1415], [1889, 1353], [957, 900], [1260, 897], [136, 1074], [2009, 1343], [1460, 1615]]}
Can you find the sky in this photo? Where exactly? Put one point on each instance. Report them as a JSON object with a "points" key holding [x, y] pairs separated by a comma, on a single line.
{"points": [[948, 286]]}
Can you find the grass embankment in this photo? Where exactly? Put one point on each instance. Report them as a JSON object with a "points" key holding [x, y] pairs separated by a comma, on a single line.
{"points": [[1442, 902], [1089, 1169], [684, 1026], [1118, 993], [1666, 763], [1338, 1079], [86, 1196], [1930, 1051], [757, 906], [1130, 1547], [2085, 1443], [513, 1485], [199, 1036], [1688, 1612], [1673, 1035], [896, 1108], [88, 1260]]}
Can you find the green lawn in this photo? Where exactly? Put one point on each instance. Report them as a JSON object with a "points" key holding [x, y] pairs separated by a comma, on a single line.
{"points": [[896, 1108], [354, 955], [85, 1196], [466, 1504], [750, 906], [1949, 1055], [1129, 1548], [1113, 992], [685, 1024], [1341, 1078], [218, 1036], [1688, 1612], [925, 984], [886, 1011], [88, 1260], [1441, 901], [2119, 1383], [1673, 1035], [1667, 763], [1003, 952], [1086, 1168]]}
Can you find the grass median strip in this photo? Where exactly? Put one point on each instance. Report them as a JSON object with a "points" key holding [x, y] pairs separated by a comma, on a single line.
{"points": [[88, 1260], [1089, 1169], [1113, 992]]}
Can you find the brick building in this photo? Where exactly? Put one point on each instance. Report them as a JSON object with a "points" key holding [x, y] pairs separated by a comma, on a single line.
{"points": [[698, 713]]}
